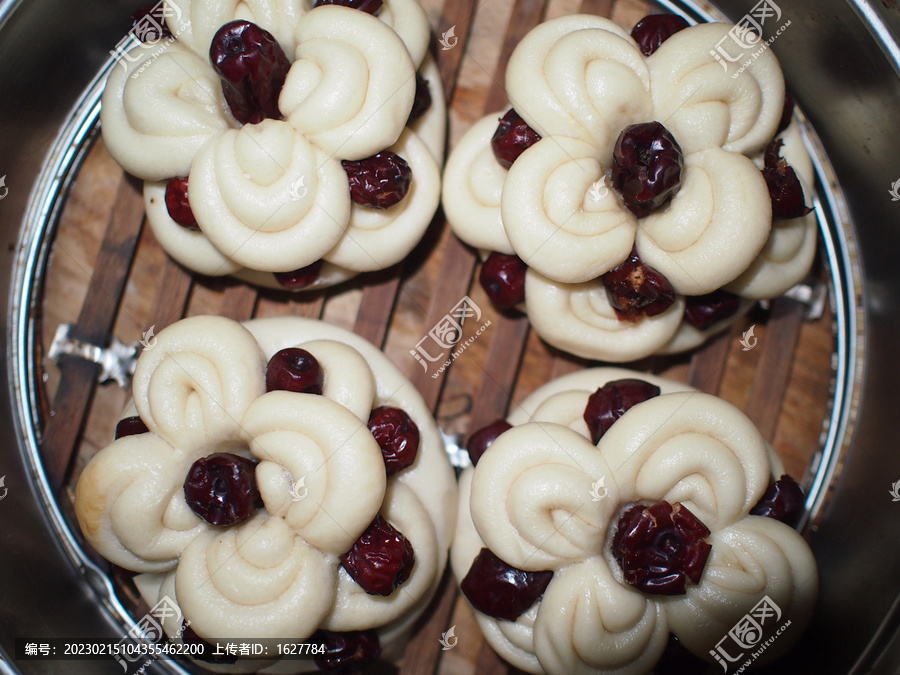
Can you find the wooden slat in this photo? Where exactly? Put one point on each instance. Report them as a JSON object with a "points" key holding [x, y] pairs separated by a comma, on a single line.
{"points": [[773, 372], [458, 263], [597, 7], [423, 652], [563, 365], [498, 379], [238, 302], [456, 276], [73, 399], [379, 298], [509, 335], [310, 308], [508, 340], [171, 295], [708, 364], [98, 313], [273, 303], [526, 15], [456, 15], [376, 307], [490, 662], [95, 321]]}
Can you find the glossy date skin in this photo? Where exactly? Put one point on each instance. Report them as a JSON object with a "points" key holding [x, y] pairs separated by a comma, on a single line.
{"points": [[501, 590], [636, 290], [647, 167], [612, 400], [661, 548], [253, 68]]}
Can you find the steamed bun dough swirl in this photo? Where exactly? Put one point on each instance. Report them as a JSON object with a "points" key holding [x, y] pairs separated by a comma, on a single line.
{"points": [[563, 400], [351, 85], [192, 388], [472, 188], [188, 247], [578, 318], [432, 126], [409, 20], [329, 275], [513, 640], [354, 609], [244, 184], [430, 476], [753, 558], [349, 380], [789, 252], [130, 504], [703, 105], [588, 623], [783, 262], [241, 187], [713, 228], [250, 580], [531, 500], [195, 22], [688, 337], [321, 441], [690, 448], [559, 402], [554, 221], [155, 123], [581, 77], [191, 394], [418, 501], [260, 225], [377, 239], [534, 472]]}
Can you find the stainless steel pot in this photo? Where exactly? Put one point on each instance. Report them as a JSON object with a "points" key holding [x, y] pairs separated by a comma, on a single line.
{"points": [[842, 60]]}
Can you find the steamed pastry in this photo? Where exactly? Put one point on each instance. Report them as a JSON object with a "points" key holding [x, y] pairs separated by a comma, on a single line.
{"points": [[288, 145], [641, 195], [278, 478], [615, 508]]}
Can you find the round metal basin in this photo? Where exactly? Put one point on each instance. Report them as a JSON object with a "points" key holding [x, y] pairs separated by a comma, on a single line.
{"points": [[841, 60]]}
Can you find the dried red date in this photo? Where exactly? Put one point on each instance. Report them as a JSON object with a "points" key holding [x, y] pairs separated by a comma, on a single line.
{"points": [[636, 290], [784, 186], [647, 167], [253, 68], [703, 311], [482, 439], [512, 137], [379, 181], [654, 29], [501, 590], [613, 400], [661, 547]]}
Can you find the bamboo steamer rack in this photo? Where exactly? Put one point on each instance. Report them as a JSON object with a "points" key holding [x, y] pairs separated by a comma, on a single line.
{"points": [[103, 272]]}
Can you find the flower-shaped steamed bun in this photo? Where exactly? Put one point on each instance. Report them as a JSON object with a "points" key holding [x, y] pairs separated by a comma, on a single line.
{"points": [[613, 508], [270, 466], [291, 146], [635, 199]]}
